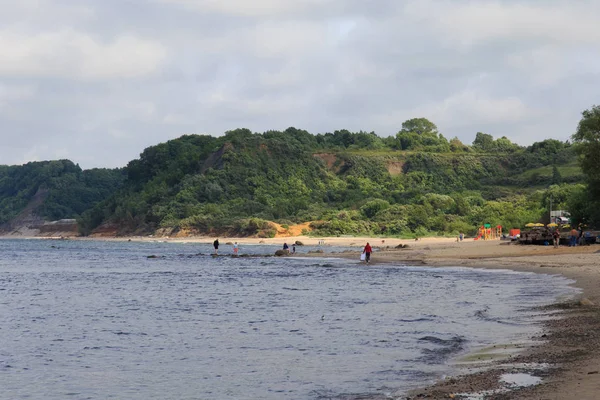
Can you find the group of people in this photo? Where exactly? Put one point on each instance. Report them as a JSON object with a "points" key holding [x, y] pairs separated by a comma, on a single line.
{"points": [[366, 251], [286, 248], [216, 247], [576, 237], [236, 248]]}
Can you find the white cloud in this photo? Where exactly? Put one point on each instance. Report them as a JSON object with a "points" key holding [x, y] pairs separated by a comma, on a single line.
{"points": [[70, 54], [105, 79], [475, 23], [11, 94], [471, 107], [254, 8]]}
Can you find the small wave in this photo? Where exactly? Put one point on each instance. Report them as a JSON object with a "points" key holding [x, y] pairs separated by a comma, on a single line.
{"points": [[447, 349], [483, 315], [415, 320]]}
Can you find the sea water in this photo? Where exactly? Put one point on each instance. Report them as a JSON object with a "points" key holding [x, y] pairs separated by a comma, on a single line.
{"points": [[103, 320]]}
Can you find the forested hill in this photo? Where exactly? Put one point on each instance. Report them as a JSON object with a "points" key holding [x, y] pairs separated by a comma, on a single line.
{"points": [[53, 190], [416, 183]]}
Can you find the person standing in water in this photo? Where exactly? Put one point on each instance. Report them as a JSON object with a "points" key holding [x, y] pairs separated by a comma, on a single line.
{"points": [[235, 248], [368, 250], [216, 246]]}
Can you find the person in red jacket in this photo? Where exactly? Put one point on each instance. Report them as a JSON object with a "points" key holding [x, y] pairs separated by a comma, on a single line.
{"points": [[367, 252]]}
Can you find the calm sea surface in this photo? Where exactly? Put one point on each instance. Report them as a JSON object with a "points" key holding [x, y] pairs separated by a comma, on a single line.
{"points": [[101, 320]]}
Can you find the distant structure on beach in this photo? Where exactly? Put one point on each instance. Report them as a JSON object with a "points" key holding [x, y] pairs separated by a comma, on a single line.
{"points": [[560, 217]]}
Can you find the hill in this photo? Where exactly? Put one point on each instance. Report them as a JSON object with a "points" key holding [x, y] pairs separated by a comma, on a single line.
{"points": [[417, 183], [347, 183], [37, 193]]}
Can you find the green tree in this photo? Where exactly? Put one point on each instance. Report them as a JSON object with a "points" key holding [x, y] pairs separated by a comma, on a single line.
{"points": [[587, 138], [484, 142], [556, 176]]}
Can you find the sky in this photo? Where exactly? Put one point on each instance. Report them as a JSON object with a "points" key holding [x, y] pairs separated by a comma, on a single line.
{"points": [[97, 82]]}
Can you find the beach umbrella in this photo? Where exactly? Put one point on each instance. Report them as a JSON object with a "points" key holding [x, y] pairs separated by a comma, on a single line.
{"points": [[538, 225], [530, 225], [552, 225]]}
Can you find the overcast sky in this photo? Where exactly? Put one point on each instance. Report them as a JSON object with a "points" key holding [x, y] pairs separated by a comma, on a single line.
{"points": [[97, 81]]}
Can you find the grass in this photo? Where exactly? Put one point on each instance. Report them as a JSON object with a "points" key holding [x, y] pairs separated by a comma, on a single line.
{"points": [[567, 170]]}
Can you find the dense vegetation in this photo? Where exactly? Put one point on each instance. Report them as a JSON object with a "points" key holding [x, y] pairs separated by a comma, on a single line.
{"points": [[414, 184], [64, 190], [586, 206]]}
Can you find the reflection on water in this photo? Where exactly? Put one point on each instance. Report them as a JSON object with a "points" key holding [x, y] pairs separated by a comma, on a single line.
{"points": [[85, 319]]}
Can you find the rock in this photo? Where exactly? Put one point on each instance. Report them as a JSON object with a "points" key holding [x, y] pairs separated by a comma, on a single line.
{"points": [[316, 251], [229, 244], [586, 302], [299, 243], [280, 253]]}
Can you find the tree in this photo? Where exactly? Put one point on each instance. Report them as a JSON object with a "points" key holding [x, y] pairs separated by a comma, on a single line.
{"points": [[556, 176], [420, 126], [420, 133], [587, 138], [484, 142]]}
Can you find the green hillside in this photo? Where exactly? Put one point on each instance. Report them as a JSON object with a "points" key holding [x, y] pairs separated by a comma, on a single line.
{"points": [[66, 189], [415, 184]]}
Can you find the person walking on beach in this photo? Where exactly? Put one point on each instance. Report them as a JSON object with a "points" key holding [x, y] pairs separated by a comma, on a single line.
{"points": [[368, 250], [235, 248], [216, 246], [286, 248], [556, 238]]}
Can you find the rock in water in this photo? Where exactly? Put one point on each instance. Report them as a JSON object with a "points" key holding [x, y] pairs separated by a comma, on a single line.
{"points": [[280, 253]]}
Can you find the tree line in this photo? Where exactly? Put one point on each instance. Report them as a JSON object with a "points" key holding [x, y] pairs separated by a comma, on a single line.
{"points": [[415, 183]]}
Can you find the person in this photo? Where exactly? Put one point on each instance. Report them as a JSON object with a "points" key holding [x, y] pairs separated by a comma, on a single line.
{"points": [[216, 246], [556, 238], [461, 236], [368, 252], [294, 248], [286, 248], [573, 238], [235, 248]]}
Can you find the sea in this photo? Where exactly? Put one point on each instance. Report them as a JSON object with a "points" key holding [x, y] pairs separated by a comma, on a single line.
{"points": [[84, 319]]}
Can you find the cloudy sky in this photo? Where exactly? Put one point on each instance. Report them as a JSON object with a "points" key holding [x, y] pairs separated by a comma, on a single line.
{"points": [[97, 81]]}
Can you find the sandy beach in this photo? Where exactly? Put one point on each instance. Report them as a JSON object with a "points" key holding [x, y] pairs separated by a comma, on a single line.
{"points": [[570, 347]]}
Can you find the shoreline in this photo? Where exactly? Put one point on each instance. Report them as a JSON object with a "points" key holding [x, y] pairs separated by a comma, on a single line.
{"points": [[569, 349], [570, 346]]}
